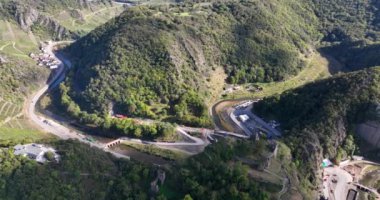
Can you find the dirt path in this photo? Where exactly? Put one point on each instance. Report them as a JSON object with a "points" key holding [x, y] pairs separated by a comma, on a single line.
{"points": [[14, 46], [5, 45], [2, 108], [8, 119], [100, 10], [19, 124], [14, 109], [10, 30], [6, 111]]}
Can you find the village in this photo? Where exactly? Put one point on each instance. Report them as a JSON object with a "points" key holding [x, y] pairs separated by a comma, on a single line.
{"points": [[44, 59]]}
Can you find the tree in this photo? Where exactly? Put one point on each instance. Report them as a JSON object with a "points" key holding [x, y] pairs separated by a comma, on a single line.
{"points": [[50, 156], [187, 197], [132, 108]]}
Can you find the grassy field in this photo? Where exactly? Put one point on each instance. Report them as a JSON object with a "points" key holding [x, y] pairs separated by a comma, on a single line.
{"points": [[316, 69], [13, 127], [20, 130], [91, 18], [15, 41]]}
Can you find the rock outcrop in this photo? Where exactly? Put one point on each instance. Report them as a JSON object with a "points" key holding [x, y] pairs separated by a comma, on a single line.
{"points": [[26, 17], [3, 59]]}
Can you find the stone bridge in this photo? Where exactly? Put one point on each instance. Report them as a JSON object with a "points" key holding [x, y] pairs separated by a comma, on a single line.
{"points": [[113, 143]]}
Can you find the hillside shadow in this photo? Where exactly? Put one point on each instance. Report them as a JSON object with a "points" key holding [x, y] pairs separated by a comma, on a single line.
{"points": [[351, 56], [334, 66]]}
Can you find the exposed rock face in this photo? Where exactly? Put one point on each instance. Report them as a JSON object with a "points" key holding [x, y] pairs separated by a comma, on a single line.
{"points": [[58, 30], [77, 14], [28, 16], [3, 59]]}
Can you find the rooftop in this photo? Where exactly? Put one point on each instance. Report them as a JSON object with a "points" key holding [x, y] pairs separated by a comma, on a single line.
{"points": [[35, 151]]}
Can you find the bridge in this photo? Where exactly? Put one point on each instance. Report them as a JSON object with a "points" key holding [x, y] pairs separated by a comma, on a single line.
{"points": [[366, 189], [113, 143]]}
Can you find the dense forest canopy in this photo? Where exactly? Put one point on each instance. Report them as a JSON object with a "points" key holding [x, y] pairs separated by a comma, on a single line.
{"points": [[318, 119], [177, 48], [88, 173], [351, 31], [348, 20]]}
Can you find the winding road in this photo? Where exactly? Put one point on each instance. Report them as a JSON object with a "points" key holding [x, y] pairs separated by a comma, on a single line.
{"points": [[57, 128], [49, 125]]}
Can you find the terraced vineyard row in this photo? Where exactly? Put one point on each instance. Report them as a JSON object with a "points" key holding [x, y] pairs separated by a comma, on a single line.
{"points": [[8, 109], [14, 127]]}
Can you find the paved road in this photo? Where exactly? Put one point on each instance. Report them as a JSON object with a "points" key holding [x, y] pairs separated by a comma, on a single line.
{"points": [[344, 180], [254, 119], [51, 126], [257, 119], [341, 187], [57, 127]]}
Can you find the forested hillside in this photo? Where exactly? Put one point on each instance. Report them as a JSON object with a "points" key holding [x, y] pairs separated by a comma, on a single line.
{"points": [[17, 76], [318, 119], [154, 61], [88, 173], [348, 20], [351, 31]]}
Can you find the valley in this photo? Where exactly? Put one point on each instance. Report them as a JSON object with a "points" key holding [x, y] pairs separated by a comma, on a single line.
{"points": [[191, 100]]}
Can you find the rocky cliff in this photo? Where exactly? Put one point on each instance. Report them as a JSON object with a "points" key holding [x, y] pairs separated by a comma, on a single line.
{"points": [[38, 13], [26, 17]]}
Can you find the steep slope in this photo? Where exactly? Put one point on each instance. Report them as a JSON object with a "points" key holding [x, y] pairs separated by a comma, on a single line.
{"points": [[348, 20], [318, 119], [17, 76], [36, 15], [351, 31], [87, 173], [163, 56]]}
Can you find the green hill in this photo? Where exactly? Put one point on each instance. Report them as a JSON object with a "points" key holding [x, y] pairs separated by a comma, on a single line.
{"points": [[157, 61], [318, 119]]}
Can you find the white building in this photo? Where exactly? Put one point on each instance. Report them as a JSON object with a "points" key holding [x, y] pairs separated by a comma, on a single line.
{"points": [[35, 151], [243, 118], [53, 66]]}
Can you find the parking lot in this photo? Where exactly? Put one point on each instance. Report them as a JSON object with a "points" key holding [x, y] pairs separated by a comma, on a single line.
{"points": [[251, 124]]}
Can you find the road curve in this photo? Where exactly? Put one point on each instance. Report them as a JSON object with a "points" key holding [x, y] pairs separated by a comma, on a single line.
{"points": [[51, 126]]}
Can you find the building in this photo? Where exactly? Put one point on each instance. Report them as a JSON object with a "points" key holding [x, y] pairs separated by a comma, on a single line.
{"points": [[35, 152], [243, 118], [53, 66]]}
